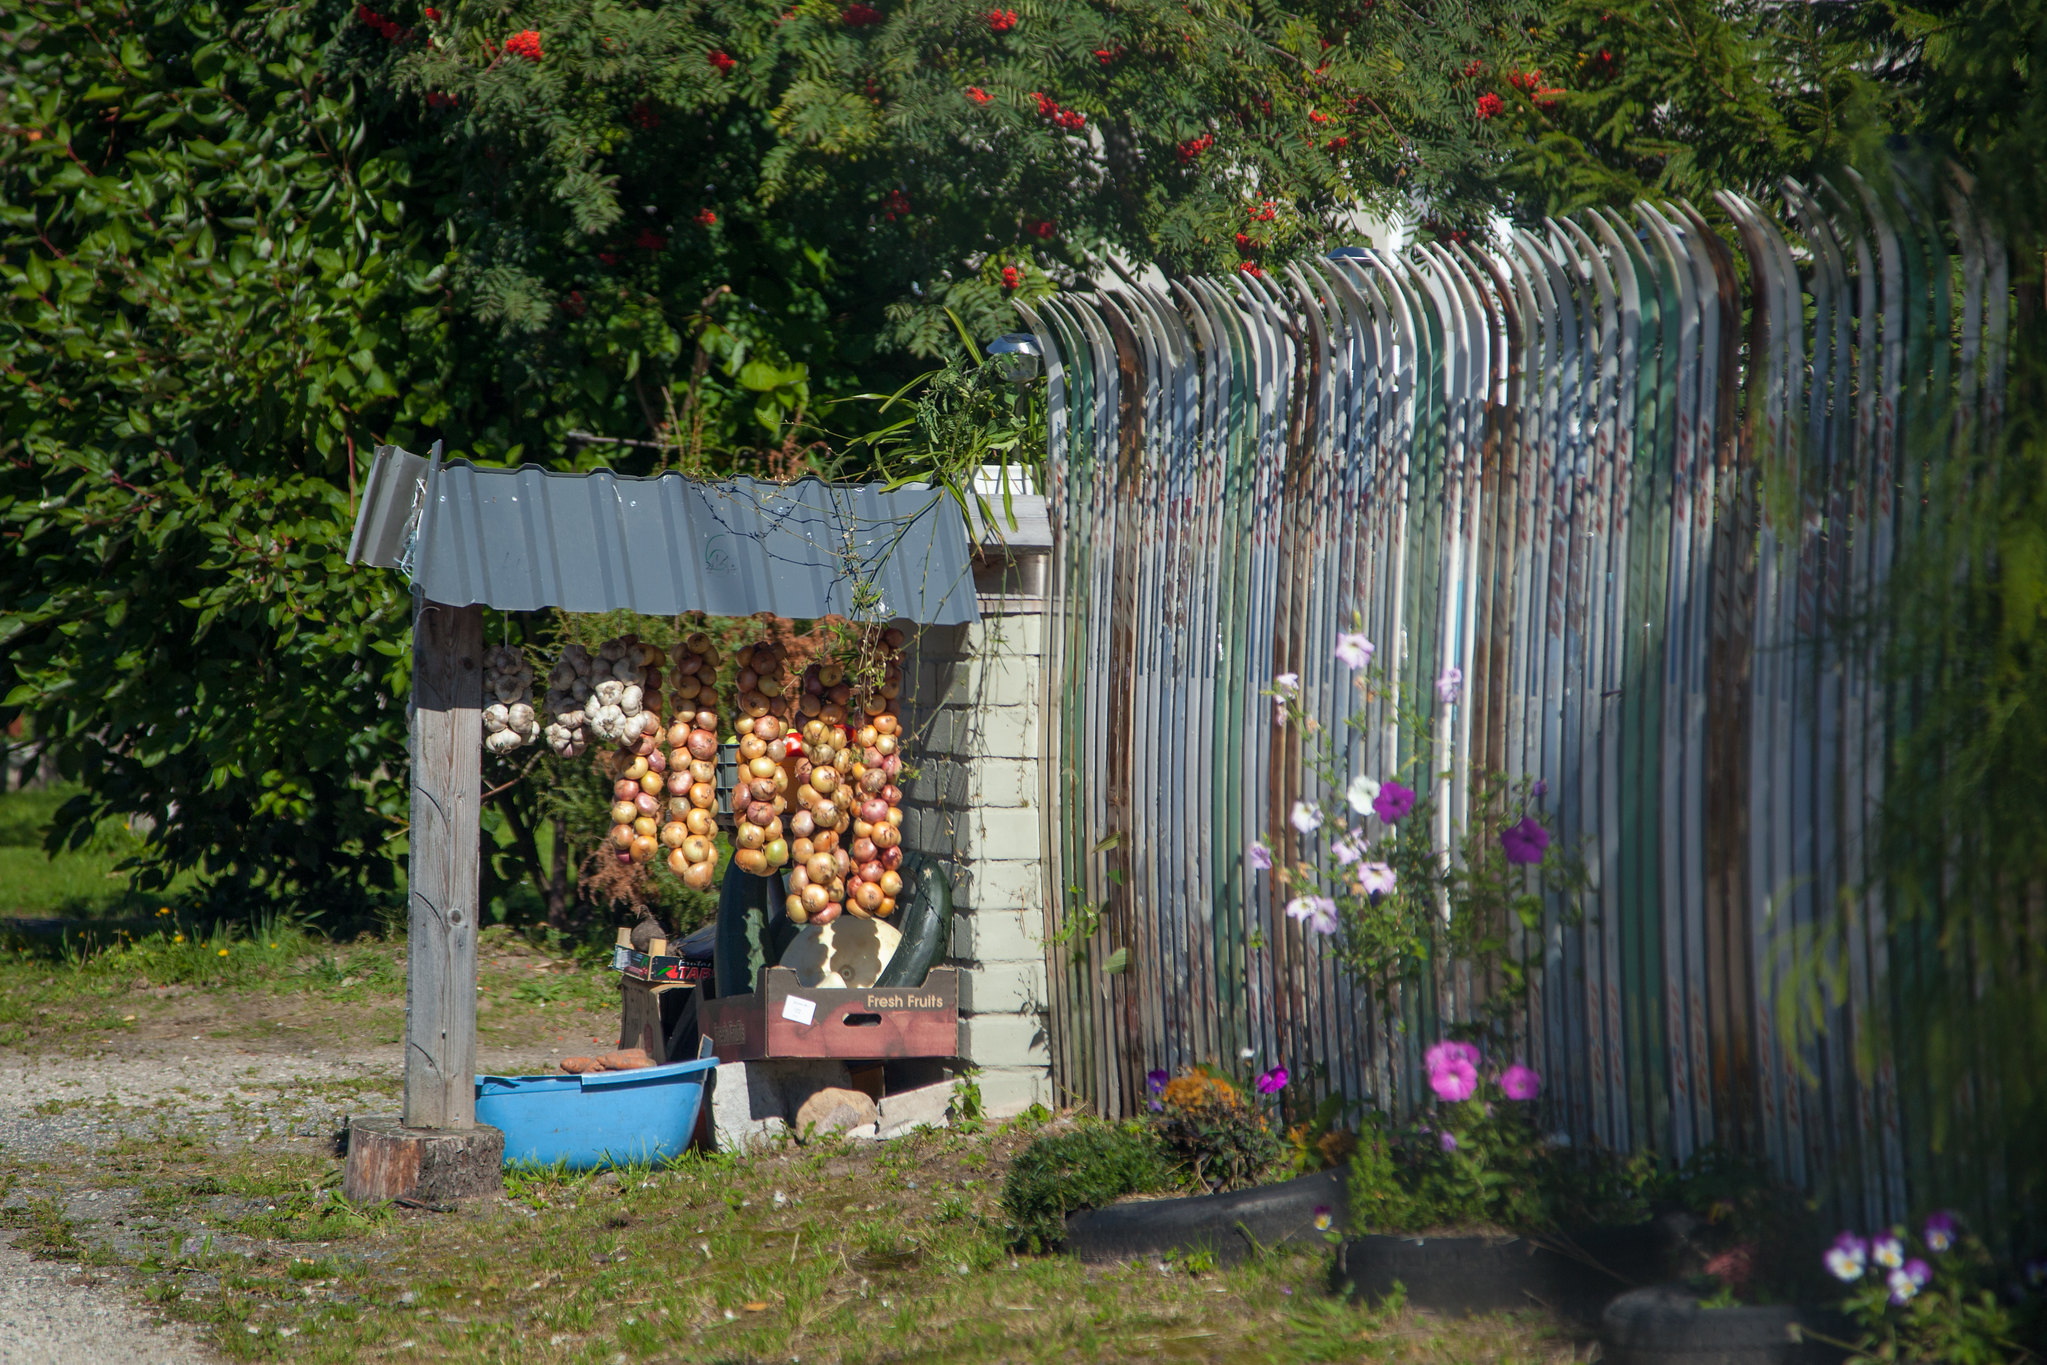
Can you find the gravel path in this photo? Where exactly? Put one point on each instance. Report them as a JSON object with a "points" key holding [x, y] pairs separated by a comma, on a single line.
{"points": [[55, 1108], [49, 1316]]}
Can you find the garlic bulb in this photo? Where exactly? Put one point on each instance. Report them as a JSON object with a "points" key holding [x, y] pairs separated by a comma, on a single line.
{"points": [[507, 682]]}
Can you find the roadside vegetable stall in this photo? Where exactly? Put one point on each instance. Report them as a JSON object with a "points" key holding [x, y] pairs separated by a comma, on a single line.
{"points": [[797, 765]]}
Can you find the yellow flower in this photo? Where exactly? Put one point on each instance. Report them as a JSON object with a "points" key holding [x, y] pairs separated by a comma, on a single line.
{"points": [[273, 945], [177, 938], [223, 952], [164, 911]]}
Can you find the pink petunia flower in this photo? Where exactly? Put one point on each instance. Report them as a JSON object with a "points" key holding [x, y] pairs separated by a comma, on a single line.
{"points": [[1520, 1082], [1353, 651], [1258, 857]]}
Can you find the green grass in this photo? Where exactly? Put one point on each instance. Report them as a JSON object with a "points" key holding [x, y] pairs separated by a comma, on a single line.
{"points": [[76, 884], [838, 1251]]}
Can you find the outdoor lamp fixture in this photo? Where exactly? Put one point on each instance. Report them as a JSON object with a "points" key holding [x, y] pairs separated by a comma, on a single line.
{"points": [[1016, 356]]}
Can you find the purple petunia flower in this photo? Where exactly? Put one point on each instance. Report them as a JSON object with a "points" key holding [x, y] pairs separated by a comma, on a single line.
{"points": [[1525, 841], [1377, 879], [1448, 1141], [1353, 651], [1847, 1257], [1287, 684], [1258, 857], [1272, 1082], [1540, 789], [1450, 685], [1155, 1081], [1520, 1082], [1393, 801], [1940, 1231]]}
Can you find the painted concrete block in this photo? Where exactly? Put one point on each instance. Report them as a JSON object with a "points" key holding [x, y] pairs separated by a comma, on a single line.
{"points": [[1004, 1040], [1003, 987]]}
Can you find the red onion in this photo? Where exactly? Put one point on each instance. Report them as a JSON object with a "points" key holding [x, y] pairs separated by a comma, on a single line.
{"points": [[874, 810]]}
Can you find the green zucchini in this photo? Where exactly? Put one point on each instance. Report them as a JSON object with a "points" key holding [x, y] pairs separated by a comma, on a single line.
{"points": [[753, 929], [924, 918]]}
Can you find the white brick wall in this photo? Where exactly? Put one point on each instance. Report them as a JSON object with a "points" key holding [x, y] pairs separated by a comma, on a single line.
{"points": [[973, 704]]}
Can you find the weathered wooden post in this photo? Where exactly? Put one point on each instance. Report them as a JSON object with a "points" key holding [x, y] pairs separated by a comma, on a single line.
{"points": [[437, 1151]]}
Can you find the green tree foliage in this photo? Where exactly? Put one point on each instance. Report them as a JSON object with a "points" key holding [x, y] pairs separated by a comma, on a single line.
{"points": [[210, 288], [1604, 103], [698, 222]]}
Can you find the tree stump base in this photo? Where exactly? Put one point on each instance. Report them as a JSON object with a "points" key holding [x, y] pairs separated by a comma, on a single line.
{"points": [[425, 1167]]}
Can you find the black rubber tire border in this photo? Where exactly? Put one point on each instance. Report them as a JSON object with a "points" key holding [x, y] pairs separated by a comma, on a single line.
{"points": [[1229, 1225], [1573, 1276], [1664, 1325]]}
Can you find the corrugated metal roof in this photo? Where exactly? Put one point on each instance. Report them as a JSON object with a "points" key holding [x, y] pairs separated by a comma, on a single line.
{"points": [[527, 538]]}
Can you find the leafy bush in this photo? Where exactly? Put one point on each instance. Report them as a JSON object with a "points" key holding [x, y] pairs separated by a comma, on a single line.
{"points": [[1083, 1168]]}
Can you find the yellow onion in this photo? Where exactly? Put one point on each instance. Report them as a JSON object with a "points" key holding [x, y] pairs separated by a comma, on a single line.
{"points": [[891, 884], [676, 835], [697, 876], [701, 821], [643, 848], [777, 851], [749, 835], [622, 836], [624, 812]]}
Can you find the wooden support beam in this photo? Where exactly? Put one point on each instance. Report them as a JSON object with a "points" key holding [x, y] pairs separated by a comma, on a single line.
{"points": [[447, 789]]}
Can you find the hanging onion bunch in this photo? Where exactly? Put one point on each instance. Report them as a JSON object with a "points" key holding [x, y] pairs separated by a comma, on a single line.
{"points": [[509, 720], [622, 710], [691, 781], [761, 795], [569, 685], [848, 827]]}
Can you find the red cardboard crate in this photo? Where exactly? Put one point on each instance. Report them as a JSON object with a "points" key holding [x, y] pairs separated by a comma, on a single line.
{"points": [[783, 1019]]}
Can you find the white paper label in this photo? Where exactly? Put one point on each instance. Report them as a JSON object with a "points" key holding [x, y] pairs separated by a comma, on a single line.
{"points": [[798, 1009]]}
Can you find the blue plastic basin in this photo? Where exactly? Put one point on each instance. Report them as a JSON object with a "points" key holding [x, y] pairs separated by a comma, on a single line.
{"points": [[610, 1118]]}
